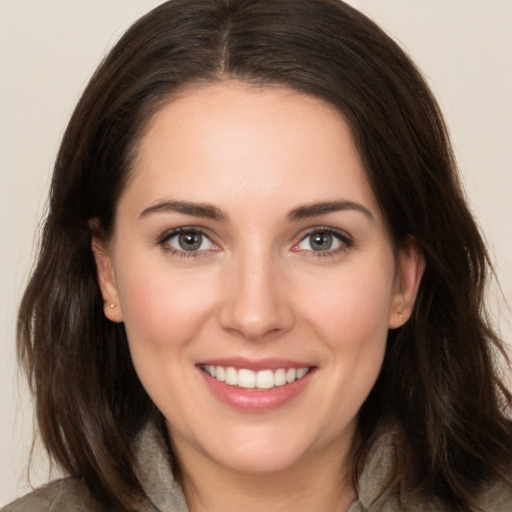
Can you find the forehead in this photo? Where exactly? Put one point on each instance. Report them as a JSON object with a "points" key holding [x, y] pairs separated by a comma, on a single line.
{"points": [[258, 145]]}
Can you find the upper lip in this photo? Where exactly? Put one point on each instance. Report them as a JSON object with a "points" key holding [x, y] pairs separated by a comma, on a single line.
{"points": [[255, 364]]}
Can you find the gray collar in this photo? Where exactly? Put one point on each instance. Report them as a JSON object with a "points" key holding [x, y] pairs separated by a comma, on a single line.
{"points": [[165, 493], [155, 473], [375, 493]]}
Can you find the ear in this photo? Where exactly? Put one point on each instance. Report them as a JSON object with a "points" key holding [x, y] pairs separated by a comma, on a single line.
{"points": [[410, 268], [106, 277]]}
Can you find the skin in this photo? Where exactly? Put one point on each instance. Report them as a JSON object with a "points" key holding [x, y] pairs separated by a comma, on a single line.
{"points": [[255, 289]]}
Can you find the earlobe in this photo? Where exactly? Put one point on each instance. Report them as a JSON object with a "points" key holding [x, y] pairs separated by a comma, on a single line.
{"points": [[106, 277], [410, 269]]}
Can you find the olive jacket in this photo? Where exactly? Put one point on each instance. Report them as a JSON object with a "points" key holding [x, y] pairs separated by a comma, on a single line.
{"points": [[165, 494]]}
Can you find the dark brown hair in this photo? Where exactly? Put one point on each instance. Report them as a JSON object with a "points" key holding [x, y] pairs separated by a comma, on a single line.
{"points": [[438, 387]]}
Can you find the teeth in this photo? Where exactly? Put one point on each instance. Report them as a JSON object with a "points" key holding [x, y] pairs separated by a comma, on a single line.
{"points": [[231, 377], [246, 379], [301, 372], [280, 377], [291, 375], [218, 373], [264, 379]]}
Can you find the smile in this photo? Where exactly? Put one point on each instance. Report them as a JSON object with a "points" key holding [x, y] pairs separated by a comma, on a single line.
{"points": [[260, 380]]}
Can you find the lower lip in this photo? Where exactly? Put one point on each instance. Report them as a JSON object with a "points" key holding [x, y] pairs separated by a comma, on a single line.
{"points": [[254, 400]]}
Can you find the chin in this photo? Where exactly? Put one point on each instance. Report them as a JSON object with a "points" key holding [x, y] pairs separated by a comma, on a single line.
{"points": [[261, 450], [268, 461]]}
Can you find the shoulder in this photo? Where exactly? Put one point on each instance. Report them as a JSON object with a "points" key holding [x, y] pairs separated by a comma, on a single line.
{"points": [[497, 498], [379, 492], [154, 473], [64, 495]]}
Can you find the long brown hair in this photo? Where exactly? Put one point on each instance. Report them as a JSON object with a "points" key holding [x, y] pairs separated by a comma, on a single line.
{"points": [[438, 387]]}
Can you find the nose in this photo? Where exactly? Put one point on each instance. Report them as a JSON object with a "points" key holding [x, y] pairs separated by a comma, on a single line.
{"points": [[256, 299]]}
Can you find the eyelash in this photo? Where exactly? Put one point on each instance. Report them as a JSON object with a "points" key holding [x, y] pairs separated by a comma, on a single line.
{"points": [[165, 237], [346, 242]]}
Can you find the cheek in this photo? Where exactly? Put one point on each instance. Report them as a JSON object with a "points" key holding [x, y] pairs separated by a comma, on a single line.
{"points": [[351, 320], [164, 310], [352, 323], [163, 307], [352, 309]]}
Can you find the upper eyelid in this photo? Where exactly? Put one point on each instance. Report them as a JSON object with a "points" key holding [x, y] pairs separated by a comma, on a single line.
{"points": [[170, 233], [341, 233]]}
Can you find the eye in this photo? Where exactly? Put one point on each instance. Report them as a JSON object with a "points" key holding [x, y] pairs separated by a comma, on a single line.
{"points": [[324, 240], [187, 240]]}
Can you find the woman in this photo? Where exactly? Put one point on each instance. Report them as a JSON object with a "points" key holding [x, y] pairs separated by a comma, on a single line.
{"points": [[259, 284]]}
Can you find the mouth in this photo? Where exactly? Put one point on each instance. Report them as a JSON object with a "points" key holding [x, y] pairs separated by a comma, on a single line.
{"points": [[262, 380], [256, 386]]}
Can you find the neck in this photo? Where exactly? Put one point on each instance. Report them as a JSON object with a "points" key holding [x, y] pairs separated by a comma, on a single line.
{"points": [[321, 482]]}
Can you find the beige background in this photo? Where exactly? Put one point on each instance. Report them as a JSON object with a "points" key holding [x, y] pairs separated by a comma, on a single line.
{"points": [[49, 48]]}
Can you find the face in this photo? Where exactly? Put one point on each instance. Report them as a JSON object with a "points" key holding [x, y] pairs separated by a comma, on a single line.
{"points": [[253, 271]]}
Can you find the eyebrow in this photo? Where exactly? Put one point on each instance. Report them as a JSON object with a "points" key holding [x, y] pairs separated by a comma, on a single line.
{"points": [[208, 211], [316, 209], [204, 210]]}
